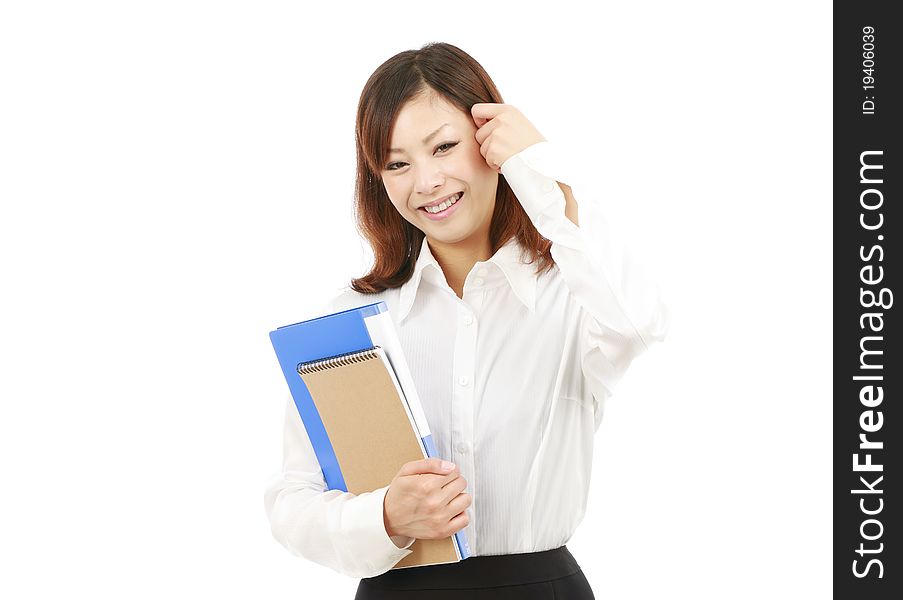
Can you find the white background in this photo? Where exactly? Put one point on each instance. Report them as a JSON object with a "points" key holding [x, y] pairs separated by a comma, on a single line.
{"points": [[176, 181]]}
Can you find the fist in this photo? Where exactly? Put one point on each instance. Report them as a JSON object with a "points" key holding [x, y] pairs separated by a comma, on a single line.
{"points": [[425, 501], [502, 132]]}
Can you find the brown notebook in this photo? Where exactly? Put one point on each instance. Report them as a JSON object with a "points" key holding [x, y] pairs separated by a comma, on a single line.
{"points": [[372, 432]]}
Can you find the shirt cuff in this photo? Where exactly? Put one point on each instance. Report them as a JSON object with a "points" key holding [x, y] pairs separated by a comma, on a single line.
{"points": [[532, 174], [551, 159], [366, 518], [406, 542]]}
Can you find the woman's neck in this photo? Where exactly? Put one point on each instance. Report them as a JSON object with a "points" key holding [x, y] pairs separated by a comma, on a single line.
{"points": [[457, 260]]}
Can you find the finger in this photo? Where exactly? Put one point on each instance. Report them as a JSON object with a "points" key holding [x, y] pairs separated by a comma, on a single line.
{"points": [[459, 503], [426, 465], [446, 479], [485, 151], [487, 110], [484, 111], [451, 490], [488, 155], [484, 148], [486, 130], [453, 487]]}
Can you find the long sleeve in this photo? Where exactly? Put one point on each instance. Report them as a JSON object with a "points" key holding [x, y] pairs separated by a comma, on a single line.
{"points": [[623, 312], [340, 530]]}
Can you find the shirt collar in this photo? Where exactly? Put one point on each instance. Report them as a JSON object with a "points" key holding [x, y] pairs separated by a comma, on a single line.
{"points": [[519, 275]]}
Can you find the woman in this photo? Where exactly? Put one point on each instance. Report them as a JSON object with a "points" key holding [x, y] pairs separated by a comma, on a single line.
{"points": [[516, 324]]}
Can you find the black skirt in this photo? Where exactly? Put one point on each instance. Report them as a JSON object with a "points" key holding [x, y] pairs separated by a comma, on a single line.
{"points": [[547, 575]]}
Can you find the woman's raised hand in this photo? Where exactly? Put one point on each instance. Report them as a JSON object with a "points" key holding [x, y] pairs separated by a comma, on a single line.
{"points": [[502, 132]]}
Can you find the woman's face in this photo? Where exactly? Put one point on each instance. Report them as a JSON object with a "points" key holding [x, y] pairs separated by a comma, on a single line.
{"points": [[433, 154]]}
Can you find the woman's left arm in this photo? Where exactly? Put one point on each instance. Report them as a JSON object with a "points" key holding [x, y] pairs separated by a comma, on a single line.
{"points": [[623, 311]]}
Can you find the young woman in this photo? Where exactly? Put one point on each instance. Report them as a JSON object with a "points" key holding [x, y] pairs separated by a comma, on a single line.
{"points": [[516, 323]]}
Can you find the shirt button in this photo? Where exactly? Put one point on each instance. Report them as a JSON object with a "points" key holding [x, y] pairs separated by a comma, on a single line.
{"points": [[478, 281], [462, 379], [462, 447], [468, 320], [548, 186]]}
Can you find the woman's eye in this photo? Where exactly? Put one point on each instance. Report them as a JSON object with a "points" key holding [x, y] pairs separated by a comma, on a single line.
{"points": [[392, 166]]}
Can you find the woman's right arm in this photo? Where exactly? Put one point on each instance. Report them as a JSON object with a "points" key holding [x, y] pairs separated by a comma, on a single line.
{"points": [[339, 530]]}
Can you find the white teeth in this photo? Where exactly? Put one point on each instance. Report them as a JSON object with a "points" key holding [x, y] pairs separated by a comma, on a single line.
{"points": [[443, 205]]}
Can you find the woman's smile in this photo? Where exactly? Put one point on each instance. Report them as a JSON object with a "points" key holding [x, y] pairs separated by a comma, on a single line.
{"points": [[448, 208]]}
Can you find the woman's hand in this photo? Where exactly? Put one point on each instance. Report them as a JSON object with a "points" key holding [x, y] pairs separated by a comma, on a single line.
{"points": [[502, 132], [426, 502]]}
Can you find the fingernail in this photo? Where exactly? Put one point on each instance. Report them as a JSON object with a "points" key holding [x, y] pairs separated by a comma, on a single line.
{"points": [[447, 466]]}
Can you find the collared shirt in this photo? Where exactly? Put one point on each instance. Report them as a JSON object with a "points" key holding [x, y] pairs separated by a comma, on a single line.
{"points": [[513, 378]]}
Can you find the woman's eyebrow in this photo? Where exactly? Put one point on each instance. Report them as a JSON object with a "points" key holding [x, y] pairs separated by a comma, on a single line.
{"points": [[426, 140]]}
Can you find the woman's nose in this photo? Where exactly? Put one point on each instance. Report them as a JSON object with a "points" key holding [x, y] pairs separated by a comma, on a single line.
{"points": [[429, 179]]}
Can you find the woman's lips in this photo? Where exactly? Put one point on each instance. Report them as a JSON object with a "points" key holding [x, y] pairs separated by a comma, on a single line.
{"points": [[441, 200], [445, 213]]}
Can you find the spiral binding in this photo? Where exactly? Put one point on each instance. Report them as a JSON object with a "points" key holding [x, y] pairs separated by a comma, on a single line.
{"points": [[322, 364]]}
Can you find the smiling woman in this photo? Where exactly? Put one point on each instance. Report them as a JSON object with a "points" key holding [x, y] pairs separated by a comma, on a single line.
{"points": [[517, 326], [422, 147], [417, 148]]}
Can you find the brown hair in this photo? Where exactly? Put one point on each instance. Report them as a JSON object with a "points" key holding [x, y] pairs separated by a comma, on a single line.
{"points": [[451, 73]]}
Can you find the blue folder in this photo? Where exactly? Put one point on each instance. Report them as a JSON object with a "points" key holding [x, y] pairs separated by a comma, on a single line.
{"points": [[327, 340]]}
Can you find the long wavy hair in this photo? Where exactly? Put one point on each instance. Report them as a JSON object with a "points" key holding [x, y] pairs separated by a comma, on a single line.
{"points": [[448, 71]]}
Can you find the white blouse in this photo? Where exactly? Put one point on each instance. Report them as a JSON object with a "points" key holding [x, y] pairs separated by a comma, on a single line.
{"points": [[513, 378]]}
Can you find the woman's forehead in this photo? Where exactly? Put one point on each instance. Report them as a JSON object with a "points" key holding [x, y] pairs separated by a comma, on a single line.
{"points": [[419, 121]]}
